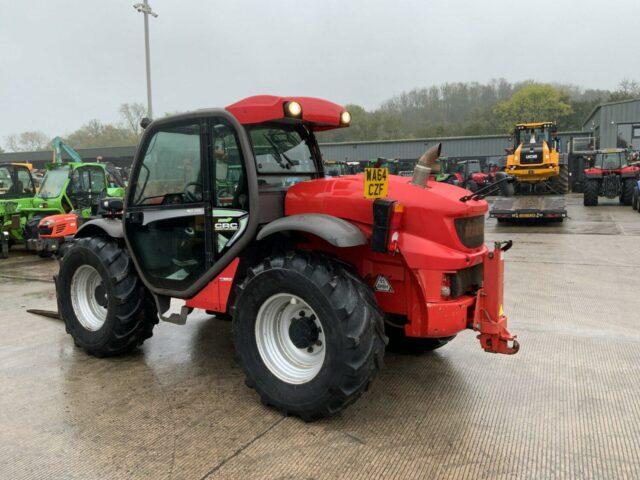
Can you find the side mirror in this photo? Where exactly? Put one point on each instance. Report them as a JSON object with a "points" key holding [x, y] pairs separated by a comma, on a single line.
{"points": [[144, 122]]}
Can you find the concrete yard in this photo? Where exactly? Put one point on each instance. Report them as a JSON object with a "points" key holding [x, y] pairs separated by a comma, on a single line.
{"points": [[566, 406]]}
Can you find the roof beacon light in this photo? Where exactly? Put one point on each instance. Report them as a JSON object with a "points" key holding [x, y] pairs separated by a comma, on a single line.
{"points": [[293, 109]]}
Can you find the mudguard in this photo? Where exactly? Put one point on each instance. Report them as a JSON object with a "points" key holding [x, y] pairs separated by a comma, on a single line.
{"points": [[336, 231], [110, 226]]}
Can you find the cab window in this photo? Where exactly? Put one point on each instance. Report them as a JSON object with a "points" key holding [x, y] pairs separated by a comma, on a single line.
{"points": [[281, 149], [230, 179], [170, 172], [25, 182], [87, 180]]}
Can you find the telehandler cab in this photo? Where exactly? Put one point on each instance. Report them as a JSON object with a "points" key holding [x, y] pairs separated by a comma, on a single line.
{"points": [[314, 275]]}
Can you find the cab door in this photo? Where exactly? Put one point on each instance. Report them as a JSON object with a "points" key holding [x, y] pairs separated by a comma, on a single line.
{"points": [[165, 220], [187, 207]]}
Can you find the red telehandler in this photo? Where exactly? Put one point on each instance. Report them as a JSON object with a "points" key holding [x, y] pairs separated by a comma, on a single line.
{"points": [[315, 273]]}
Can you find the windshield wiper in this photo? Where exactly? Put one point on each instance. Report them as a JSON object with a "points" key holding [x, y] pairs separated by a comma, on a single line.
{"points": [[279, 156]]}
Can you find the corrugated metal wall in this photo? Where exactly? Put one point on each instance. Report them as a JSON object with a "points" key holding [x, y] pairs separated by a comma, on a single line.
{"points": [[487, 146], [604, 121], [412, 149]]}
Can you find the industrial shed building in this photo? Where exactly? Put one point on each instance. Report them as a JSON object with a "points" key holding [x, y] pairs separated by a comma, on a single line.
{"points": [[615, 124]]}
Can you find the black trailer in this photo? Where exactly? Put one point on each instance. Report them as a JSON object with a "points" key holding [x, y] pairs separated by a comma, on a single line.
{"points": [[529, 207]]}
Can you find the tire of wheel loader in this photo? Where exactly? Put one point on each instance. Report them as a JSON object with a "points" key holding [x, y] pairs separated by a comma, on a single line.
{"points": [[560, 183], [590, 195], [352, 325], [400, 343], [507, 189], [131, 311], [636, 198], [627, 191]]}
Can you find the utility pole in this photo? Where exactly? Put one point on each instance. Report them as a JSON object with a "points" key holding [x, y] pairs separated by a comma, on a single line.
{"points": [[145, 8]]}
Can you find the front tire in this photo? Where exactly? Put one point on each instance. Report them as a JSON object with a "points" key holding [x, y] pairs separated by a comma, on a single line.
{"points": [[105, 307], [308, 333], [590, 195]]}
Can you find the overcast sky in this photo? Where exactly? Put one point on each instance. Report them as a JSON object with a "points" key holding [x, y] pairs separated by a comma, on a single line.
{"points": [[65, 62]]}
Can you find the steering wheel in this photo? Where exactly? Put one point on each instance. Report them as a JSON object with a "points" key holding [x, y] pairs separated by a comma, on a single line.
{"points": [[195, 196]]}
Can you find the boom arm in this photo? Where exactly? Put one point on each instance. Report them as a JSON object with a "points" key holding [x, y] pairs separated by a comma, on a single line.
{"points": [[58, 145]]}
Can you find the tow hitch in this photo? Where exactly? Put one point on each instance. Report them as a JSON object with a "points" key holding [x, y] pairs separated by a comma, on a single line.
{"points": [[489, 318]]}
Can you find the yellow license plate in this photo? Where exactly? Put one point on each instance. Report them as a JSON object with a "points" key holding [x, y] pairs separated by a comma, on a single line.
{"points": [[527, 215], [376, 182]]}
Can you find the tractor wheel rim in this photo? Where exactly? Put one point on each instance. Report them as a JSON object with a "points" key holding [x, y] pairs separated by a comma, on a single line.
{"points": [[276, 338], [88, 298]]}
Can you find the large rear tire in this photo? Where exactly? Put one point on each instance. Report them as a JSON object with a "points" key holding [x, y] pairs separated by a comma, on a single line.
{"points": [[308, 334], [590, 195], [627, 191], [560, 183], [635, 198], [507, 189], [105, 307]]}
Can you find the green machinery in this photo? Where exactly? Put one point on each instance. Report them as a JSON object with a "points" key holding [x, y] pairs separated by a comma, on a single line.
{"points": [[16, 191], [74, 186]]}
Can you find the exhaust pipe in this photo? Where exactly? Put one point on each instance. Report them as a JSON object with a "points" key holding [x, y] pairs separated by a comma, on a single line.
{"points": [[422, 169]]}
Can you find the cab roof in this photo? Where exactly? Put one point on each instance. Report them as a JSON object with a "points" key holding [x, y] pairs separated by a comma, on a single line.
{"points": [[22, 164], [317, 114]]}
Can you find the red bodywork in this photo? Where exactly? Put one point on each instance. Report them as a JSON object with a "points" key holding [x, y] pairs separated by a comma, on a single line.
{"points": [[317, 114], [424, 247], [627, 171], [480, 178], [60, 226]]}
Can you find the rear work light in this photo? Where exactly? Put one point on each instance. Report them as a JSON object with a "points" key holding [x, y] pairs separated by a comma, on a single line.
{"points": [[470, 231]]}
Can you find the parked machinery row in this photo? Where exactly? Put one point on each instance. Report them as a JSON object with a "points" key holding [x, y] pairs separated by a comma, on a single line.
{"points": [[43, 218]]}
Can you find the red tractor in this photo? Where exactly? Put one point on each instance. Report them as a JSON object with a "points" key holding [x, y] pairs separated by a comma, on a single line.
{"points": [[610, 176], [315, 276], [469, 175]]}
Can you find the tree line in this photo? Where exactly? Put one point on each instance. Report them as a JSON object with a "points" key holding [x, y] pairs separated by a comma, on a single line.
{"points": [[94, 133], [450, 109], [472, 108]]}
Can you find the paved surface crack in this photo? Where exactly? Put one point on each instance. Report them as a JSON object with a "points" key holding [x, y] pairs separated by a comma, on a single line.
{"points": [[242, 448]]}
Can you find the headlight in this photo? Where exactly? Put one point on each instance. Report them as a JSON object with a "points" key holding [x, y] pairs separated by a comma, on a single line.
{"points": [[470, 231], [293, 109], [345, 118]]}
